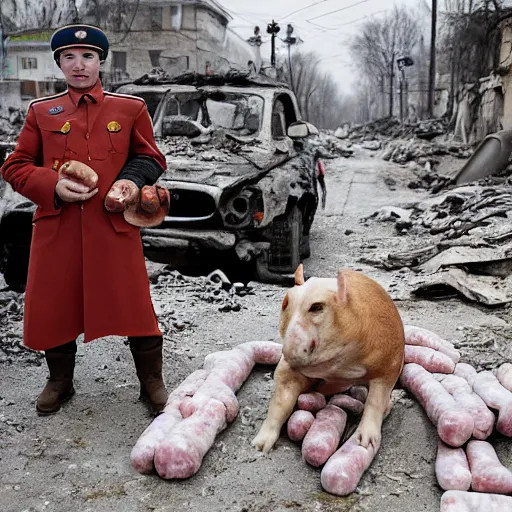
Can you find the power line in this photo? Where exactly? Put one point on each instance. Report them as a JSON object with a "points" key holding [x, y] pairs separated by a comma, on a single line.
{"points": [[338, 10], [304, 8]]}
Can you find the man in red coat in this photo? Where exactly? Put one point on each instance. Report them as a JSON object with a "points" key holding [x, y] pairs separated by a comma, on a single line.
{"points": [[87, 272]]}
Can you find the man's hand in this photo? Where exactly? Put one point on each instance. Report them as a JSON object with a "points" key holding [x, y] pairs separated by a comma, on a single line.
{"points": [[122, 195], [71, 191]]}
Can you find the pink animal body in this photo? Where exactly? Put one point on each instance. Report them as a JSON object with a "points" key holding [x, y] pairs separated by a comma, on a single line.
{"points": [[466, 371], [463, 394], [425, 338], [462, 501], [324, 436], [343, 471], [489, 474], [347, 403], [452, 468], [432, 360], [201, 407], [312, 402], [504, 375], [299, 424], [454, 424]]}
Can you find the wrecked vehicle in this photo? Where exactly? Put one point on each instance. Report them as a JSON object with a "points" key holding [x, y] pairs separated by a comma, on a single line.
{"points": [[241, 171]]}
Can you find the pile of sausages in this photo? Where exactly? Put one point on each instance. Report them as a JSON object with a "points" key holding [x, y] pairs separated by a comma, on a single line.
{"points": [[176, 442]]}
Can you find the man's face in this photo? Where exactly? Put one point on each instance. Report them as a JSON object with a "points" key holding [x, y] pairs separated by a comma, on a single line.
{"points": [[81, 67]]}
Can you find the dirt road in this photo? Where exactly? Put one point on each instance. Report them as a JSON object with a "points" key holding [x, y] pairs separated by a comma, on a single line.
{"points": [[79, 458]]}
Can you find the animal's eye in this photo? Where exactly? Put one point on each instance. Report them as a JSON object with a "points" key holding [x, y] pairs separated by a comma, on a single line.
{"points": [[316, 307]]}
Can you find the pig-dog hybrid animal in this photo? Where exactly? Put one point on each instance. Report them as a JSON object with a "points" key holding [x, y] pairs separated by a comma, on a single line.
{"points": [[336, 333]]}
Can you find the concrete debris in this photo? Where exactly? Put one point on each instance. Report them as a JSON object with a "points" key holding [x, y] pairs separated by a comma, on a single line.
{"points": [[11, 125]]}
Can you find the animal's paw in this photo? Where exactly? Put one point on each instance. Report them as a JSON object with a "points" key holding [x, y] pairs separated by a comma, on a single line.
{"points": [[265, 439], [368, 436]]}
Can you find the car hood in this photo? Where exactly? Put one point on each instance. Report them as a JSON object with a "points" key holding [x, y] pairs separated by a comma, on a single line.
{"points": [[221, 165]]}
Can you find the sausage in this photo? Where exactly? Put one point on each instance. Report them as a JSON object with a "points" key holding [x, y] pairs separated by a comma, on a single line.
{"points": [[343, 471], [359, 393], [263, 352], [452, 468], [454, 424], [463, 394], [462, 501], [143, 452], [347, 403], [504, 375], [489, 389], [151, 208], [149, 199], [425, 338], [432, 360], [312, 402], [324, 436], [299, 424], [466, 371], [78, 171], [196, 411], [489, 474], [121, 195]]}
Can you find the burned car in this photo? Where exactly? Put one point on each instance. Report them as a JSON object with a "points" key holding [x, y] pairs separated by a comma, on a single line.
{"points": [[241, 171]]}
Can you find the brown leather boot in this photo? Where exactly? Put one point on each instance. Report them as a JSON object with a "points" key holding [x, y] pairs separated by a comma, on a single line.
{"points": [[147, 355], [59, 388]]}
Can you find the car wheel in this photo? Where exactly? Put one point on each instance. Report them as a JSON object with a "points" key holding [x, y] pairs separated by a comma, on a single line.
{"points": [[286, 242]]}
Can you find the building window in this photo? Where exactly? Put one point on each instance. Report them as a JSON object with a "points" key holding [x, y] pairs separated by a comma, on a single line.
{"points": [[119, 61], [28, 63], [176, 17], [156, 18], [154, 55]]}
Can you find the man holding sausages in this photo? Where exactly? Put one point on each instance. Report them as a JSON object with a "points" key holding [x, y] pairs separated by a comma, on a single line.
{"points": [[87, 271]]}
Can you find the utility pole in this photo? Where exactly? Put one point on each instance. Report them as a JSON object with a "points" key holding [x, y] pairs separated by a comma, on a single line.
{"points": [[289, 41], [391, 84], [273, 29], [432, 73]]}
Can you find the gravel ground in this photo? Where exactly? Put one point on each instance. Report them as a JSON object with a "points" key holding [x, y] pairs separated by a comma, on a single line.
{"points": [[79, 458]]}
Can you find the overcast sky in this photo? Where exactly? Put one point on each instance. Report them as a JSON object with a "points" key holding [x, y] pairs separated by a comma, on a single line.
{"points": [[322, 30]]}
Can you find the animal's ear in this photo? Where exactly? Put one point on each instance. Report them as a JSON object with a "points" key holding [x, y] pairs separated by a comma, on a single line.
{"points": [[342, 287], [299, 275], [285, 302]]}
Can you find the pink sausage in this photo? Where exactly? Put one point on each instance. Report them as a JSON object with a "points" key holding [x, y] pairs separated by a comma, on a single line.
{"points": [[463, 394], [263, 352], [299, 424], [343, 471], [454, 425], [180, 455], [462, 501], [489, 389], [432, 360], [504, 375], [489, 474], [144, 450], [452, 468], [359, 393], [347, 403], [466, 371], [324, 436], [425, 338], [312, 402]]}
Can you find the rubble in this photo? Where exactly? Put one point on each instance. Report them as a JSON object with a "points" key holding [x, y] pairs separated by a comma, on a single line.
{"points": [[11, 125]]}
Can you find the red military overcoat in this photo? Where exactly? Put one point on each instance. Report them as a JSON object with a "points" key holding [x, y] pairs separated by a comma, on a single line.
{"points": [[87, 272]]}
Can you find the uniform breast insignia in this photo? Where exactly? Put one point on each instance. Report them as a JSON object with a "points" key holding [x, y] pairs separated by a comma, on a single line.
{"points": [[65, 127], [55, 165], [114, 127], [55, 110]]}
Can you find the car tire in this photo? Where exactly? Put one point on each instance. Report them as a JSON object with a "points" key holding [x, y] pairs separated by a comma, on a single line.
{"points": [[286, 242]]}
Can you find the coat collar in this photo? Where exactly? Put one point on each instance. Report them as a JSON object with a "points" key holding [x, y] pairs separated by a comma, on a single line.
{"points": [[95, 94]]}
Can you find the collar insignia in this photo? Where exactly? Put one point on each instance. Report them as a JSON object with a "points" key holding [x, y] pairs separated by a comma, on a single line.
{"points": [[55, 110]]}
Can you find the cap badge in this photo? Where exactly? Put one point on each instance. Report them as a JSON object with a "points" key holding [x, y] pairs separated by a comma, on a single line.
{"points": [[55, 110], [65, 127], [80, 34], [114, 126]]}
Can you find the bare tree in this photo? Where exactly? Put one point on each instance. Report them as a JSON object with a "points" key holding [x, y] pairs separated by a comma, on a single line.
{"points": [[320, 100], [20, 15], [380, 42]]}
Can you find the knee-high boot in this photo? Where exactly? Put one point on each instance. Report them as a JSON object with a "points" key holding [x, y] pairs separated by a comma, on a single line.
{"points": [[147, 355], [59, 388]]}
